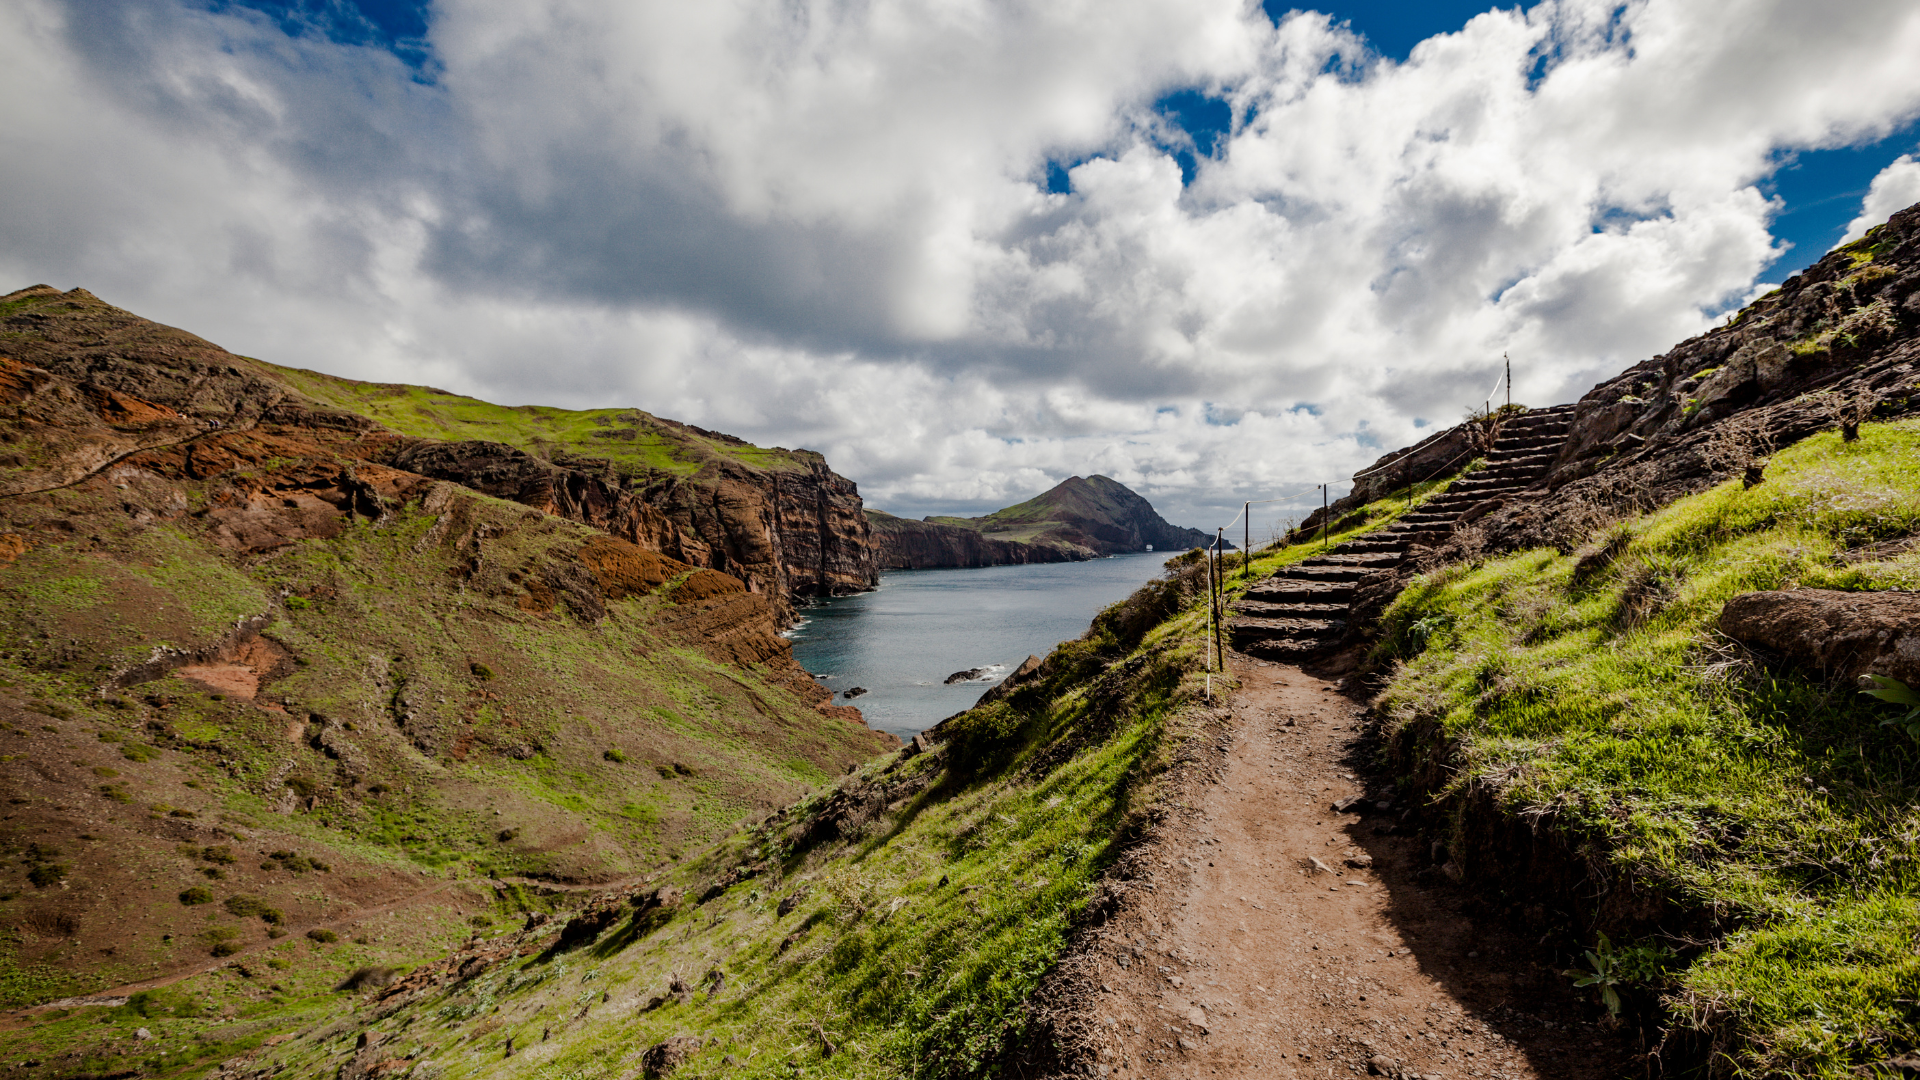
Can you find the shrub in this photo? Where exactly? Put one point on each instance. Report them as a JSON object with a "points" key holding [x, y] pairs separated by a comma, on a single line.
{"points": [[303, 787], [247, 906], [134, 751], [985, 735], [226, 948], [46, 874], [221, 854], [117, 794], [480, 671], [614, 755], [366, 977], [199, 894], [105, 772], [324, 937]]}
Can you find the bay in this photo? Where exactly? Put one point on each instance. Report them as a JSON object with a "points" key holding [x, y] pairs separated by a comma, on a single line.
{"points": [[903, 639]]}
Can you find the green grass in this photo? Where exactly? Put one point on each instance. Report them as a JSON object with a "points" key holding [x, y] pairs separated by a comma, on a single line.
{"points": [[650, 445], [917, 936], [1608, 705]]}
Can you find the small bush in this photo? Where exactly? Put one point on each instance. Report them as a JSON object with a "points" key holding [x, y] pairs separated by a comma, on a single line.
{"points": [[984, 735], [180, 813], [139, 752], [299, 603], [47, 708], [367, 978], [480, 671], [117, 794], [504, 835], [303, 787], [615, 755], [248, 906], [226, 948], [47, 874], [214, 873], [220, 853], [199, 894], [108, 736], [105, 772], [324, 937]]}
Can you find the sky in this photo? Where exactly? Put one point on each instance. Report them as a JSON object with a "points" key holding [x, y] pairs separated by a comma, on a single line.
{"points": [[1216, 250]]}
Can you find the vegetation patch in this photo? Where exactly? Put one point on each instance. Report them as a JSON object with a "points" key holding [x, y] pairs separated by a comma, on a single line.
{"points": [[1778, 815]]}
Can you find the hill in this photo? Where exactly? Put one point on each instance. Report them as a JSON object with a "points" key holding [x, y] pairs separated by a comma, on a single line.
{"points": [[248, 656], [1076, 519]]}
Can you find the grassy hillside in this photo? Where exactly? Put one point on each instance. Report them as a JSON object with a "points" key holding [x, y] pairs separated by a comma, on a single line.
{"points": [[419, 708], [892, 924], [635, 442], [1770, 817]]}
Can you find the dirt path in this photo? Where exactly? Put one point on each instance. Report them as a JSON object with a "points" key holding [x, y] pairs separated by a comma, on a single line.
{"points": [[1246, 959]]}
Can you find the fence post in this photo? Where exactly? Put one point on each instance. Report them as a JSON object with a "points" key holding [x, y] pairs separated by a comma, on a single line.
{"points": [[1219, 609], [1325, 512], [1246, 540]]}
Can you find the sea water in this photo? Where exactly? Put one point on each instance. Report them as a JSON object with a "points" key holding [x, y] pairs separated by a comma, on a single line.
{"points": [[902, 640]]}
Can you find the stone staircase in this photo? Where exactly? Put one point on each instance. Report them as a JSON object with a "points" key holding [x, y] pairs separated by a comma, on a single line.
{"points": [[1303, 608]]}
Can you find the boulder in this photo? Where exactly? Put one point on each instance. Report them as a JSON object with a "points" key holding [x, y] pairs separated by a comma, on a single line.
{"points": [[968, 675], [1842, 635]]}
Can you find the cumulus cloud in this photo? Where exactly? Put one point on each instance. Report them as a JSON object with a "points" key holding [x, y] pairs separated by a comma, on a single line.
{"points": [[829, 224], [1896, 188]]}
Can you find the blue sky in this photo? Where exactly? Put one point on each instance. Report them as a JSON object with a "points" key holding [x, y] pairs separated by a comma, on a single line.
{"points": [[965, 250]]}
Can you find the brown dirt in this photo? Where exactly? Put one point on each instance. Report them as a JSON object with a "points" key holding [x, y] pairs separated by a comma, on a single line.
{"points": [[1237, 956]]}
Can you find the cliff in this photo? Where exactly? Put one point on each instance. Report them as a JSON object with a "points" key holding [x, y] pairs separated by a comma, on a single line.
{"points": [[779, 520], [231, 608]]}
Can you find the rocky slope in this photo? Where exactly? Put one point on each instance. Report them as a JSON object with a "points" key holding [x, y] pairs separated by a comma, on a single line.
{"points": [[233, 620], [1077, 519], [779, 520], [1621, 658]]}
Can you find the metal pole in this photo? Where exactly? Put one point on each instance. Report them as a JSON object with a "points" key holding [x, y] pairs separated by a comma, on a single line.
{"points": [[1219, 616], [1324, 514], [1509, 361], [1246, 540]]}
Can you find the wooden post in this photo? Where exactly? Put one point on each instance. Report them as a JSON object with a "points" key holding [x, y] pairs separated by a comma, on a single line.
{"points": [[1325, 512], [1246, 540]]}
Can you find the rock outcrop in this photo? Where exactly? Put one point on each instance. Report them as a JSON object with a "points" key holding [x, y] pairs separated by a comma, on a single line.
{"points": [[1840, 635]]}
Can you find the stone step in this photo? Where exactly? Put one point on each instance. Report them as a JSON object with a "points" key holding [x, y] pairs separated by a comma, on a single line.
{"points": [[1288, 649], [1301, 592], [1371, 547], [1257, 609], [1298, 572], [1245, 629], [1340, 557]]}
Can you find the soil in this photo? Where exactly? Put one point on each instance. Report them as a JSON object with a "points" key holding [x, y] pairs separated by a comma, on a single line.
{"points": [[1266, 935]]}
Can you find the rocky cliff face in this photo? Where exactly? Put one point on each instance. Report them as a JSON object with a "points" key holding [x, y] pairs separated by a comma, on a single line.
{"points": [[784, 533], [905, 544]]}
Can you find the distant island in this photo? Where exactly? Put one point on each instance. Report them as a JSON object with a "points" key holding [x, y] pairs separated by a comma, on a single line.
{"points": [[1081, 518]]}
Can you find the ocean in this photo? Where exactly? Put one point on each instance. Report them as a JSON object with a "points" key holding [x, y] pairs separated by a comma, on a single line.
{"points": [[902, 640]]}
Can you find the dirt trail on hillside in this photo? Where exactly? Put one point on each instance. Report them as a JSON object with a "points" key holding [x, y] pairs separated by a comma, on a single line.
{"points": [[1246, 959]]}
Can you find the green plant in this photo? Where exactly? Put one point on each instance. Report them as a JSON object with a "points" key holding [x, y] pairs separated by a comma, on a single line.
{"points": [[247, 906], [1896, 692], [324, 937], [199, 894], [134, 751], [614, 755], [1611, 968]]}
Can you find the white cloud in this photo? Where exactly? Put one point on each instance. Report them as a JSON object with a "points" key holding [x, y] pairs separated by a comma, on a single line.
{"points": [[1896, 188], [825, 224]]}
